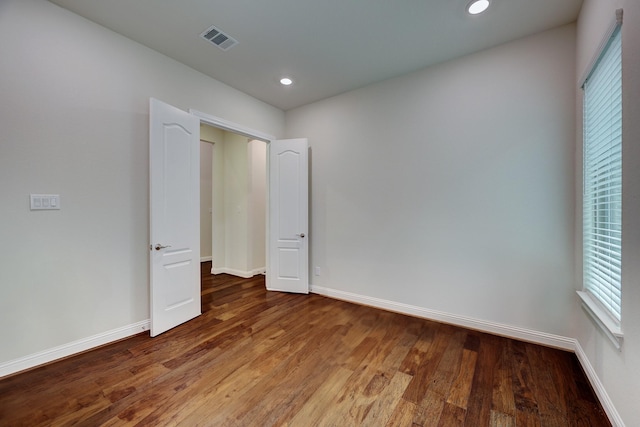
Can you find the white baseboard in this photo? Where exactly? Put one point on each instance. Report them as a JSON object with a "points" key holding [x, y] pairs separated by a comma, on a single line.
{"points": [[261, 270], [69, 349], [206, 258], [239, 273], [516, 332], [598, 387]]}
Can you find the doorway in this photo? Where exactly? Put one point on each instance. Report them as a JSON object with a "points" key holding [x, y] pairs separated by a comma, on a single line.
{"points": [[287, 204], [233, 185], [174, 157]]}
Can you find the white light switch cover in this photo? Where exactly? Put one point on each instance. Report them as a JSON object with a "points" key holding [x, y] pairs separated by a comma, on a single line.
{"points": [[42, 202]]}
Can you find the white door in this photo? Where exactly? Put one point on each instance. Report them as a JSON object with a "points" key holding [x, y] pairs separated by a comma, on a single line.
{"points": [[288, 264], [174, 164]]}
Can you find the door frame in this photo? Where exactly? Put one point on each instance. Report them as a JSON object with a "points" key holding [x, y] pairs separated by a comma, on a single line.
{"points": [[227, 125]]}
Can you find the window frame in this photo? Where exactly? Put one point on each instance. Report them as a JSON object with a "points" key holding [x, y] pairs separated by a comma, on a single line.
{"points": [[606, 314]]}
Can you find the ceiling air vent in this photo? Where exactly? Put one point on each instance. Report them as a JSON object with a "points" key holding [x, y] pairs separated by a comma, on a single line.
{"points": [[220, 39]]}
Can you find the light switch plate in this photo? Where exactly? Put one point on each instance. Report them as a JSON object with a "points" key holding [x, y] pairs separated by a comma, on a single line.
{"points": [[44, 202]]}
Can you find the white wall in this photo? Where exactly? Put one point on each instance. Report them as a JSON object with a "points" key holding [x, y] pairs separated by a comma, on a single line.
{"points": [[236, 182], [206, 198], [74, 121], [619, 371], [452, 188], [218, 233], [212, 236], [257, 205]]}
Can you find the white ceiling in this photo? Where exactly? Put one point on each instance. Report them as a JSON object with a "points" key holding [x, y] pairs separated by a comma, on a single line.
{"points": [[326, 46]]}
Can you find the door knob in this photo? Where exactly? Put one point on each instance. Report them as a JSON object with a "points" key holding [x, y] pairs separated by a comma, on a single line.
{"points": [[301, 235], [159, 246]]}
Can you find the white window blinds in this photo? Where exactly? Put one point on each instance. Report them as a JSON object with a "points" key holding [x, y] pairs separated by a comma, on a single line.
{"points": [[602, 201]]}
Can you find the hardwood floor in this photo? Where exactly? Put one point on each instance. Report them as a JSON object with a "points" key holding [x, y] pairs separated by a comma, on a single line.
{"points": [[258, 358]]}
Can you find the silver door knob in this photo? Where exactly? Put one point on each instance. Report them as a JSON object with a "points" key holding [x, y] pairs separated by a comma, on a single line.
{"points": [[301, 235], [159, 246]]}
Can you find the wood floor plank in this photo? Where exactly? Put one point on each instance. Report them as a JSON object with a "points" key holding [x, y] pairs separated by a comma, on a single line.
{"points": [[256, 364], [382, 409], [449, 364], [452, 415], [432, 405], [552, 409], [228, 361], [523, 380], [500, 419], [427, 364], [418, 352], [461, 386], [430, 410], [502, 400], [267, 364], [577, 395], [271, 359], [283, 385], [320, 402], [373, 374], [480, 397], [403, 414]]}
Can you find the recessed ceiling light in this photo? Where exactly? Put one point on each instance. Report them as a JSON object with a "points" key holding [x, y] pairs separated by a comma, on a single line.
{"points": [[477, 6], [286, 81]]}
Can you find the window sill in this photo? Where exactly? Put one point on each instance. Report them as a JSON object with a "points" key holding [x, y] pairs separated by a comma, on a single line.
{"points": [[612, 330]]}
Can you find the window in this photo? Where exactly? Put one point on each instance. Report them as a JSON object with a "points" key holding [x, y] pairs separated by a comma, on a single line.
{"points": [[602, 182]]}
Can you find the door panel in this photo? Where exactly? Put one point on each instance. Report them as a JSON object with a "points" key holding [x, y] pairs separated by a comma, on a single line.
{"points": [[174, 159], [288, 216]]}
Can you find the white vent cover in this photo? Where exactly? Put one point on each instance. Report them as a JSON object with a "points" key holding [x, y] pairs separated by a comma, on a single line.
{"points": [[218, 38]]}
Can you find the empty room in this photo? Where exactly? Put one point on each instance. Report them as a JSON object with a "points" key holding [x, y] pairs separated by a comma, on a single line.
{"points": [[452, 229]]}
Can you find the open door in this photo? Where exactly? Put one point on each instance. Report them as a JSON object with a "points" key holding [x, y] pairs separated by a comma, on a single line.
{"points": [[288, 240], [174, 177]]}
